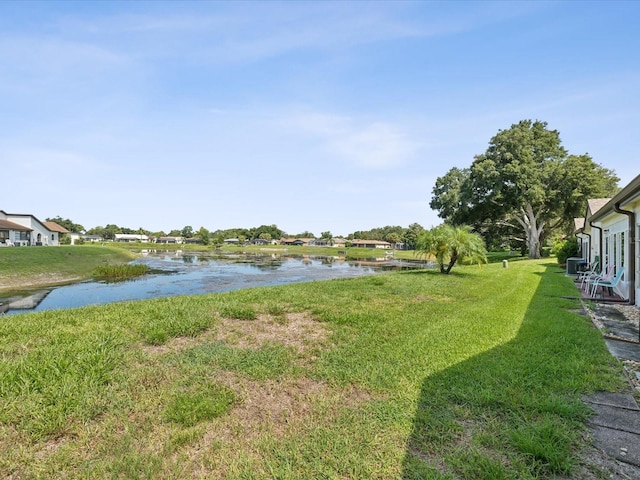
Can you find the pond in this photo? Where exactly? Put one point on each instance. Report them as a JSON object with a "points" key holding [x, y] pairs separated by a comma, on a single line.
{"points": [[177, 273]]}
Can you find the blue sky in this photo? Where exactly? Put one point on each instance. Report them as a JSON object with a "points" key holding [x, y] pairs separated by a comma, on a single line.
{"points": [[313, 116]]}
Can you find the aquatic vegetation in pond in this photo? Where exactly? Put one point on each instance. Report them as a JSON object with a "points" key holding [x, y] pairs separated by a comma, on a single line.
{"points": [[120, 272]]}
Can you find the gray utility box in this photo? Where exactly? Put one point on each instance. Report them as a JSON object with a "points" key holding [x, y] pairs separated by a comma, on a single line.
{"points": [[572, 265]]}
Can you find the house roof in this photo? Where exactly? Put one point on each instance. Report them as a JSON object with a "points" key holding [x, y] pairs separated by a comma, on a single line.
{"points": [[578, 224], [7, 225], [371, 242], [54, 227], [296, 239], [131, 236], [631, 191], [596, 204], [51, 226]]}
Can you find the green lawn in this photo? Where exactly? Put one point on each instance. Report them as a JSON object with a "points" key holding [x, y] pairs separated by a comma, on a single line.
{"points": [[477, 374], [41, 266]]}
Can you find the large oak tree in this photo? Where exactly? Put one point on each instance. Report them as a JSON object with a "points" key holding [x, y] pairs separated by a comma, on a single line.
{"points": [[525, 181]]}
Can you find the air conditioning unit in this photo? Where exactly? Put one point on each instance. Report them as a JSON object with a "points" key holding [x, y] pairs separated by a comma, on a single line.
{"points": [[572, 265]]}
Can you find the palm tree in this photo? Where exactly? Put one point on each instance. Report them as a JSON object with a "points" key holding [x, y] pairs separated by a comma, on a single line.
{"points": [[450, 244]]}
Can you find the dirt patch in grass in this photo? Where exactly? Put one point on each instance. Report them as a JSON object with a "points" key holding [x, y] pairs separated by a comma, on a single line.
{"points": [[50, 447], [266, 411], [175, 345], [296, 330], [271, 405], [431, 298]]}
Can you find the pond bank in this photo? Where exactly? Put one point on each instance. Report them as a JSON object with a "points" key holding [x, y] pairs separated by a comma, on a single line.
{"points": [[177, 273]]}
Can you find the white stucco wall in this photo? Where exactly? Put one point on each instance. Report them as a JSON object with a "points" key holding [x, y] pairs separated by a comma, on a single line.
{"points": [[47, 237]]}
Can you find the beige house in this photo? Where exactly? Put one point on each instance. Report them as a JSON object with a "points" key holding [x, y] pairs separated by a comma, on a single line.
{"points": [[371, 244], [610, 233], [301, 242]]}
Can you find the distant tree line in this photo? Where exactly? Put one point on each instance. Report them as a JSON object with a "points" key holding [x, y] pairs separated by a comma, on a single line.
{"points": [[392, 234]]}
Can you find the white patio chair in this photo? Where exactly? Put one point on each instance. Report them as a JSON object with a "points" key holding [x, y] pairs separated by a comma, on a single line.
{"points": [[605, 275], [589, 273]]}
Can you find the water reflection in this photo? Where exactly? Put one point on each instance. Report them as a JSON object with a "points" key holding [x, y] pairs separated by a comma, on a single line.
{"points": [[174, 274]]}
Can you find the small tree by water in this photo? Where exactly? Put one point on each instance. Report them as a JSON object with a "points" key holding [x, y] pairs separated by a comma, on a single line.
{"points": [[450, 244]]}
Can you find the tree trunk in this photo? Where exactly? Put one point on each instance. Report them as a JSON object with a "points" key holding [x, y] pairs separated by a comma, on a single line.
{"points": [[529, 222], [452, 262]]}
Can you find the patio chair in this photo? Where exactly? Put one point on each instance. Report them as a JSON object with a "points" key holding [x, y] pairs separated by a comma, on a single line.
{"points": [[591, 272], [605, 274], [610, 284]]}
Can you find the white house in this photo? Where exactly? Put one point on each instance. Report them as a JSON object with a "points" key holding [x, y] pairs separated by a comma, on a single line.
{"points": [[131, 237], [611, 233], [75, 236], [24, 229], [170, 240]]}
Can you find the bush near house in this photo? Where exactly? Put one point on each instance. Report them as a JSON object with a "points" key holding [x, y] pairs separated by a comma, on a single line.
{"points": [[565, 249]]}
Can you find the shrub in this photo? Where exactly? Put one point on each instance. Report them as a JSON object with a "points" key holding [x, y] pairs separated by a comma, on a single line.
{"points": [[565, 249]]}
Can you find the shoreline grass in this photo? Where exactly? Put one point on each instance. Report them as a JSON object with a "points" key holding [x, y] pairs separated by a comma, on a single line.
{"points": [[477, 374], [31, 267]]}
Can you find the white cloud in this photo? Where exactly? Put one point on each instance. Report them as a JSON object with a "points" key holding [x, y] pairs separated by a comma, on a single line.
{"points": [[49, 166], [372, 145], [238, 33], [377, 145]]}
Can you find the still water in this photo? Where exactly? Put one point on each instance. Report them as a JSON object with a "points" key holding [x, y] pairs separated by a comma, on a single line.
{"points": [[175, 273]]}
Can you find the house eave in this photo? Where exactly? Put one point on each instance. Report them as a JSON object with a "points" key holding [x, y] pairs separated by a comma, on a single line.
{"points": [[627, 194]]}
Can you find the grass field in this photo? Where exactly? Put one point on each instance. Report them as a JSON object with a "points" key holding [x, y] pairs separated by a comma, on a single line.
{"points": [[28, 267], [477, 374]]}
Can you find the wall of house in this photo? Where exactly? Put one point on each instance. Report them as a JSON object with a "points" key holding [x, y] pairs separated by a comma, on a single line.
{"points": [[46, 236], [634, 206], [615, 236], [627, 236], [638, 257]]}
